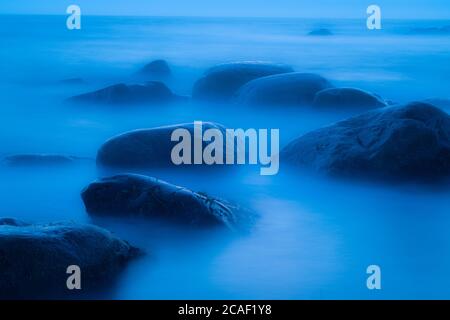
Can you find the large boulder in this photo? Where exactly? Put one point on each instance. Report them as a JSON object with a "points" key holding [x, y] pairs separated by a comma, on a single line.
{"points": [[409, 142], [156, 68], [221, 82], [347, 98], [147, 148], [289, 89], [152, 92], [39, 159], [138, 195], [34, 258]]}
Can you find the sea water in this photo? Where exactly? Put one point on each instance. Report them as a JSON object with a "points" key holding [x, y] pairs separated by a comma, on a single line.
{"points": [[312, 237]]}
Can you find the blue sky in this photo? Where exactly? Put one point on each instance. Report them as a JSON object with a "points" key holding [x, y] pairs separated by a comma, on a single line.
{"points": [[414, 9]]}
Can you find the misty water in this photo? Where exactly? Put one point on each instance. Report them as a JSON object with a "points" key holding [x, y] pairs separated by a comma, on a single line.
{"points": [[313, 237]]}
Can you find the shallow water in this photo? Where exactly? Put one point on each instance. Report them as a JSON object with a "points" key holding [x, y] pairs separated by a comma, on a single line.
{"points": [[313, 237]]}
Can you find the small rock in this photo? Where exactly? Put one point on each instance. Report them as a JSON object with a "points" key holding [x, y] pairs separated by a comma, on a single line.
{"points": [[152, 92], [320, 32], [158, 68], [39, 159]]}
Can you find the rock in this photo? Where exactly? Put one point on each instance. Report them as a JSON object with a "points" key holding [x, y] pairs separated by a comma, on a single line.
{"points": [[347, 98], [406, 142], [12, 222], [34, 258], [152, 92], [221, 82], [137, 195], [320, 32], [289, 89], [158, 68], [39, 159], [146, 148]]}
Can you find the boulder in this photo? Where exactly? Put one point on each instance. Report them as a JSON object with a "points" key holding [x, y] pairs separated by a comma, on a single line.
{"points": [[147, 148], [342, 98], [289, 89], [34, 258], [137, 195], [221, 82], [39, 159], [320, 32], [152, 92], [402, 142], [158, 68]]}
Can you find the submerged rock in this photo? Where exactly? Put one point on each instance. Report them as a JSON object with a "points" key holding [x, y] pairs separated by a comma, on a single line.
{"points": [[137, 195], [39, 159], [221, 82], [152, 92], [347, 98], [408, 142], [146, 148], [158, 68], [290, 89], [34, 258], [320, 32]]}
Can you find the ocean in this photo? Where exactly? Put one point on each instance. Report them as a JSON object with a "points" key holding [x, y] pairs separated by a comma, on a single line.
{"points": [[313, 237]]}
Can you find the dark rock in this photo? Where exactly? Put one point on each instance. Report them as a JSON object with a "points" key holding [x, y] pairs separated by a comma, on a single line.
{"points": [[320, 32], [407, 142], [152, 92], [12, 222], [158, 68], [146, 148], [39, 159], [221, 82], [347, 98], [137, 195], [291, 89], [34, 258]]}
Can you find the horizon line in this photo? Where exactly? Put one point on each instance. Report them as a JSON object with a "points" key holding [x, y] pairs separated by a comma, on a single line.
{"points": [[214, 16]]}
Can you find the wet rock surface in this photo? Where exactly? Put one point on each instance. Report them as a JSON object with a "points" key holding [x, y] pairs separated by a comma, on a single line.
{"points": [[152, 92], [141, 196], [290, 89], [347, 98], [34, 257], [407, 142], [221, 82], [147, 148]]}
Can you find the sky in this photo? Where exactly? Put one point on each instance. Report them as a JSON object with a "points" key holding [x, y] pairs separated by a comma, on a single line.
{"points": [[414, 9]]}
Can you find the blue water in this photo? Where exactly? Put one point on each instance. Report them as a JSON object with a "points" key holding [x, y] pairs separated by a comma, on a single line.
{"points": [[313, 238]]}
